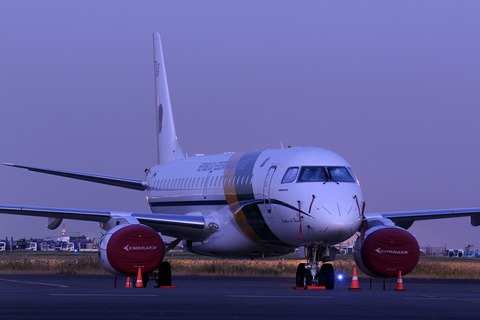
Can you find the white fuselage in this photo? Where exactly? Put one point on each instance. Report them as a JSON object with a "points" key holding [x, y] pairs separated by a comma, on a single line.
{"points": [[265, 202]]}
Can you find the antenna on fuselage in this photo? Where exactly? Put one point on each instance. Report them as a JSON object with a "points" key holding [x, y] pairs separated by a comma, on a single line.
{"points": [[168, 146]]}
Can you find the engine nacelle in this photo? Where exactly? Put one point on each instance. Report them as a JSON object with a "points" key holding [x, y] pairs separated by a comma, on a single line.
{"points": [[127, 247], [385, 251]]}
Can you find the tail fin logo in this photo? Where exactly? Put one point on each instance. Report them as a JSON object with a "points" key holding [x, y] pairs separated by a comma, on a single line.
{"points": [[157, 69], [160, 116]]}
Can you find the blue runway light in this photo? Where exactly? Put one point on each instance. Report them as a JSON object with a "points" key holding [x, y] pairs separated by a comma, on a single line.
{"points": [[340, 277]]}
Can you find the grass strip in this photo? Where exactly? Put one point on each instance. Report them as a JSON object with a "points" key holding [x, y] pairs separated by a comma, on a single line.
{"points": [[187, 264]]}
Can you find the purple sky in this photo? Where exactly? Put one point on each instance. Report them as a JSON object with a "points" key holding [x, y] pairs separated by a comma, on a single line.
{"points": [[393, 86]]}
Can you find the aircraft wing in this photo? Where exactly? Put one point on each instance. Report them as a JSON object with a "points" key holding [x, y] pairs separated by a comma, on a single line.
{"points": [[406, 218], [110, 180], [188, 227]]}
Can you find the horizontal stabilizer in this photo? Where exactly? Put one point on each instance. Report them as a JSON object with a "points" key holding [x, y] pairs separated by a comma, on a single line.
{"points": [[97, 178]]}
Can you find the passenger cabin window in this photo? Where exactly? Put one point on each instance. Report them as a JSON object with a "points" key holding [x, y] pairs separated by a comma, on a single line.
{"points": [[290, 175]]}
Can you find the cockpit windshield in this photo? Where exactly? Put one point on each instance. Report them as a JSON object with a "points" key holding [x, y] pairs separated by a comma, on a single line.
{"points": [[340, 174], [318, 174], [313, 174]]}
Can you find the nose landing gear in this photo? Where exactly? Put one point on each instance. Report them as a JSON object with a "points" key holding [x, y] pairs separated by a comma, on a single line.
{"points": [[316, 272]]}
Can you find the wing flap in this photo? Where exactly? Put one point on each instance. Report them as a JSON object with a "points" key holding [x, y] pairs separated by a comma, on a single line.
{"points": [[91, 177], [187, 227], [405, 217], [61, 213]]}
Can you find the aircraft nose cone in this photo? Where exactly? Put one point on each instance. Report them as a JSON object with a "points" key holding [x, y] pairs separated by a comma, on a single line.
{"points": [[338, 219], [337, 208]]}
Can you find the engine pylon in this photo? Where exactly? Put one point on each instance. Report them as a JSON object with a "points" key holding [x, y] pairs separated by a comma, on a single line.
{"points": [[354, 285]]}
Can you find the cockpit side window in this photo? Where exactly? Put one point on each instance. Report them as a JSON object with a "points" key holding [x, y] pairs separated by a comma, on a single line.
{"points": [[290, 175], [340, 174], [313, 174]]}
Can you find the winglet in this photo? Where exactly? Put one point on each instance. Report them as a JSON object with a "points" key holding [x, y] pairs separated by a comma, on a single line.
{"points": [[168, 146]]}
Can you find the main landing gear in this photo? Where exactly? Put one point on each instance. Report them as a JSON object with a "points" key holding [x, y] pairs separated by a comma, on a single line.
{"points": [[314, 272], [162, 276]]}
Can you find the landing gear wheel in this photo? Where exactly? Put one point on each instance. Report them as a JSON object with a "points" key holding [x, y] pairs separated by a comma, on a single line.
{"points": [[300, 275], [303, 276], [327, 276], [164, 274], [145, 279]]}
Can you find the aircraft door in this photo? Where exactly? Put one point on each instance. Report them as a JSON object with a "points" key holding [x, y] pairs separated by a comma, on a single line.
{"points": [[266, 188], [205, 186]]}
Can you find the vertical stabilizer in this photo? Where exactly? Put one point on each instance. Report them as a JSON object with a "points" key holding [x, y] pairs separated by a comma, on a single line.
{"points": [[168, 146]]}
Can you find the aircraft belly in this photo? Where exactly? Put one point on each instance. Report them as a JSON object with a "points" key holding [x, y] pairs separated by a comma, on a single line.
{"points": [[231, 241]]}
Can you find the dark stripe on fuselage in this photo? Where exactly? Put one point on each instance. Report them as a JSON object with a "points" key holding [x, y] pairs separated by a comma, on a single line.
{"points": [[189, 203], [202, 203], [248, 217]]}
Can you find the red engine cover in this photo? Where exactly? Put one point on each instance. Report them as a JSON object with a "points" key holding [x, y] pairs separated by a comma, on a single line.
{"points": [[134, 246], [387, 251]]}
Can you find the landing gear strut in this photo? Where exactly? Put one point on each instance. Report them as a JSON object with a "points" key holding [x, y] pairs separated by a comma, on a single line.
{"points": [[317, 271]]}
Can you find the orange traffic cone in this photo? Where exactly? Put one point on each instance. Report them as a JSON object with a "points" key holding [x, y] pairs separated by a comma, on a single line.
{"points": [[399, 282], [354, 285], [139, 283], [129, 283]]}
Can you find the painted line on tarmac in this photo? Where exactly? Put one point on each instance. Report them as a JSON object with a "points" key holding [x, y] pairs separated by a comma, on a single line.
{"points": [[35, 283], [277, 297], [102, 295], [426, 298], [440, 298]]}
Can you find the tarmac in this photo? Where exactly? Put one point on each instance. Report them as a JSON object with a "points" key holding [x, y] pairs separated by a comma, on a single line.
{"points": [[94, 297]]}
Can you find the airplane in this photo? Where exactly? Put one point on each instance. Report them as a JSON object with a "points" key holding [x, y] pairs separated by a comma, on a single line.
{"points": [[245, 205]]}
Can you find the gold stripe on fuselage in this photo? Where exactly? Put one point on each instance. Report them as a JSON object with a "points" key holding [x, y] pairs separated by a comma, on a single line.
{"points": [[231, 196]]}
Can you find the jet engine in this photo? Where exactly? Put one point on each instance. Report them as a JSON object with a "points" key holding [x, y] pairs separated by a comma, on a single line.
{"points": [[127, 247], [386, 250]]}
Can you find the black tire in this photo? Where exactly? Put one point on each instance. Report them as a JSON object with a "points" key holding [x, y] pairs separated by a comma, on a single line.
{"points": [[300, 275], [145, 279], [308, 279], [303, 276], [327, 276], [164, 274]]}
